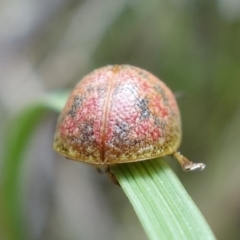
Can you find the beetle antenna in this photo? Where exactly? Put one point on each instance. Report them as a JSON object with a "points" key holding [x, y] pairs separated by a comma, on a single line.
{"points": [[186, 164]]}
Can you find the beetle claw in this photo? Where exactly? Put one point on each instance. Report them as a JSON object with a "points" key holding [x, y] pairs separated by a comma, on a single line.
{"points": [[188, 165], [193, 166]]}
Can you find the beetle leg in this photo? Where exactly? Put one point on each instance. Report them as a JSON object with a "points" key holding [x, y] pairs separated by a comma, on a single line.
{"points": [[99, 170], [186, 164], [111, 175]]}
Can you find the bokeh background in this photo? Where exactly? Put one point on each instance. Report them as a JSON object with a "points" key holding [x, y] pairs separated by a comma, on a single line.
{"points": [[194, 46]]}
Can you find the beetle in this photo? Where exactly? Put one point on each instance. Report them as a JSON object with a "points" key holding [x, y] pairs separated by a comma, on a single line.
{"points": [[119, 114]]}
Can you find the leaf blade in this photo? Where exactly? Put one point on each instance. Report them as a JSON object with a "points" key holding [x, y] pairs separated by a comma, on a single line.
{"points": [[172, 215], [18, 134]]}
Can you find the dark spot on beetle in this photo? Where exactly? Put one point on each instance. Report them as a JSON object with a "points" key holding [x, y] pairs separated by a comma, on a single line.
{"points": [[124, 141], [164, 98], [159, 123], [162, 93], [86, 134], [101, 90], [143, 74], [121, 130], [90, 88], [77, 102], [143, 105], [121, 135]]}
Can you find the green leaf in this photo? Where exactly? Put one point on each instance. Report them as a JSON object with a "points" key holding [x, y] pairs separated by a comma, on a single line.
{"points": [[18, 134], [163, 206]]}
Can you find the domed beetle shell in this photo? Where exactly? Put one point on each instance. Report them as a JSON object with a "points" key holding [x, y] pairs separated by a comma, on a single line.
{"points": [[119, 114]]}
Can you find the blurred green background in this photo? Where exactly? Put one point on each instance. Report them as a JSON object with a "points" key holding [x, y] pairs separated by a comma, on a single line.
{"points": [[194, 46]]}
